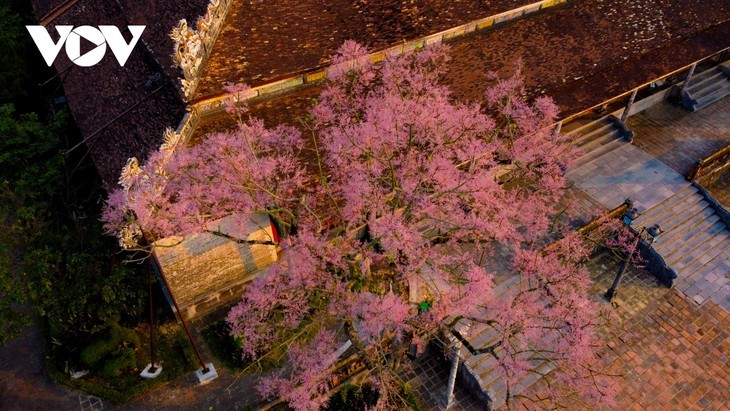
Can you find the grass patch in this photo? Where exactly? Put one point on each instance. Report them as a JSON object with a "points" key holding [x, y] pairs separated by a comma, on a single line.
{"points": [[223, 346], [228, 352], [172, 350]]}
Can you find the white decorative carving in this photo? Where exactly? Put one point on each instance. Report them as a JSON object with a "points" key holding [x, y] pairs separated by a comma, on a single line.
{"points": [[192, 44], [130, 236], [172, 140], [130, 173]]}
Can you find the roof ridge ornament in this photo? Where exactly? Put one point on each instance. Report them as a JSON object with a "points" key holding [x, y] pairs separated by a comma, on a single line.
{"points": [[192, 46]]}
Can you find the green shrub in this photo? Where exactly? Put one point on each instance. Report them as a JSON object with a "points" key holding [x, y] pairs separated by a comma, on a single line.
{"points": [[123, 384], [111, 350], [123, 359]]}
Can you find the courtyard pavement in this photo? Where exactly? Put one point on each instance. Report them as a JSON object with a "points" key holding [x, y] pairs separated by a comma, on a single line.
{"points": [[625, 173], [667, 352], [678, 137]]}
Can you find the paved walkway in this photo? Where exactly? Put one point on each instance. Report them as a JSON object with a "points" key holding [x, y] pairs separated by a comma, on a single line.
{"points": [[678, 137], [669, 353], [628, 173], [24, 384]]}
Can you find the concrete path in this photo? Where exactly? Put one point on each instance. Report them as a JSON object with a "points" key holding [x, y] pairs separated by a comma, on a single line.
{"points": [[627, 172], [678, 137]]}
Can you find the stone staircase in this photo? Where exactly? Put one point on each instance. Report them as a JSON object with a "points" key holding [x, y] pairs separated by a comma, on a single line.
{"points": [[481, 373], [695, 241], [596, 139], [707, 87]]}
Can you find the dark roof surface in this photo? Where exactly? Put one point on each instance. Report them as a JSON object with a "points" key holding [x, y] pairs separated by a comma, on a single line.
{"points": [[586, 37], [581, 54], [160, 16], [107, 94], [43, 7], [264, 40]]}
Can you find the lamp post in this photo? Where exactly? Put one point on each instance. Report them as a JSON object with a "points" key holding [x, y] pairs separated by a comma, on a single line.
{"points": [[654, 231]]}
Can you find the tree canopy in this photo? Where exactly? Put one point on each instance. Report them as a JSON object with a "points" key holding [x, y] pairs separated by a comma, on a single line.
{"points": [[390, 196]]}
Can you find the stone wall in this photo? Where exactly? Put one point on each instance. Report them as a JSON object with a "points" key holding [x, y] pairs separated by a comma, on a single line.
{"points": [[205, 271]]}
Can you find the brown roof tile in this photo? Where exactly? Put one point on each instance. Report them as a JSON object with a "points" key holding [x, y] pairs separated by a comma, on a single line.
{"points": [[579, 54], [43, 7], [107, 94], [264, 40]]}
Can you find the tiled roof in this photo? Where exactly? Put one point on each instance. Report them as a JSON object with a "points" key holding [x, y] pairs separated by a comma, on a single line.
{"points": [[262, 40], [43, 7], [112, 106], [575, 54]]}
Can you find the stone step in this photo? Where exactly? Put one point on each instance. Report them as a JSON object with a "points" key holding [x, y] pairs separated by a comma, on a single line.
{"points": [[705, 75], [488, 370], [709, 87], [698, 257], [670, 223], [597, 153], [697, 268], [697, 83], [600, 140], [695, 241], [598, 132], [511, 284], [669, 206], [542, 369], [685, 211], [495, 385], [699, 223], [673, 212], [483, 340], [714, 97], [498, 391], [490, 375], [585, 128], [482, 335]]}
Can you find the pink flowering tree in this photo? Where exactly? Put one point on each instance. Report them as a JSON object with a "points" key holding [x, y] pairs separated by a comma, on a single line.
{"points": [[390, 196]]}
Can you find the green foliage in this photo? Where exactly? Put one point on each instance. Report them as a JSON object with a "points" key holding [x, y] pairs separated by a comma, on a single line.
{"points": [[52, 247], [353, 397], [363, 397], [12, 294], [410, 398], [111, 350], [30, 168], [123, 359], [223, 346], [13, 64], [94, 291], [31, 165], [172, 351]]}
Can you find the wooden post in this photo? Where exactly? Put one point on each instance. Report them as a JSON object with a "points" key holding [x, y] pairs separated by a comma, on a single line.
{"points": [[152, 320], [627, 110], [156, 261], [558, 128], [687, 80]]}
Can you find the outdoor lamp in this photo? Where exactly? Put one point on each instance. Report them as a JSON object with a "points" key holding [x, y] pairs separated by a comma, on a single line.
{"points": [[654, 231], [630, 215]]}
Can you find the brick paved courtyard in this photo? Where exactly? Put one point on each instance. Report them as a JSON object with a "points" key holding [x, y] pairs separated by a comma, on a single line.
{"points": [[670, 353], [639, 291], [678, 137]]}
